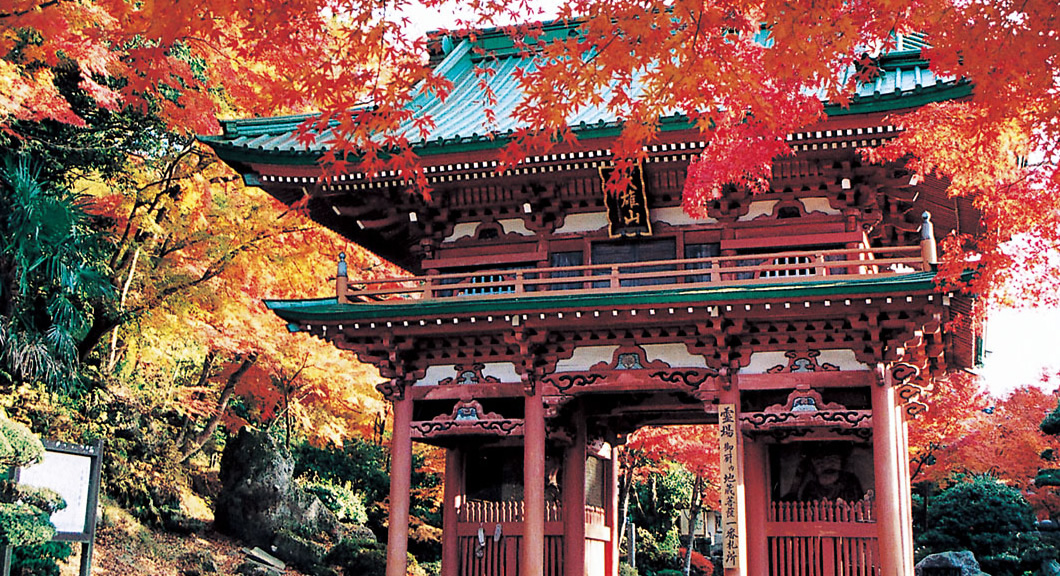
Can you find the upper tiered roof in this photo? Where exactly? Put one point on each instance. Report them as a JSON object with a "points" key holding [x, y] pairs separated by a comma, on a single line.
{"points": [[491, 62]]}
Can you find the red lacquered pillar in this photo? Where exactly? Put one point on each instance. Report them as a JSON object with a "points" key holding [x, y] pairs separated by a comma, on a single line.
{"points": [[756, 496], [574, 502], [885, 454], [613, 521], [400, 487], [533, 486], [454, 490]]}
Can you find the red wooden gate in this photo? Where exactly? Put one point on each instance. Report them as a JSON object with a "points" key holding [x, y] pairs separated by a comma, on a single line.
{"points": [[822, 539], [496, 551]]}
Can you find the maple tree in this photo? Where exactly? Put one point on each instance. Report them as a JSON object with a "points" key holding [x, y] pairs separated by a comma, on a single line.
{"points": [[952, 405], [746, 72], [694, 448], [1002, 440]]}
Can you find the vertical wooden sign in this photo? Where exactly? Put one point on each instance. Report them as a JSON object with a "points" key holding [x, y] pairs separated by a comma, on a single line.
{"points": [[729, 500], [627, 209]]}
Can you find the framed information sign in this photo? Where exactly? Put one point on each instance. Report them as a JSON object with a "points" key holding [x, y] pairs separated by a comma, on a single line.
{"points": [[71, 470]]}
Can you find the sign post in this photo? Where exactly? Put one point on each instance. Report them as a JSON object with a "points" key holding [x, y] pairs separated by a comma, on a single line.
{"points": [[729, 485], [73, 471]]}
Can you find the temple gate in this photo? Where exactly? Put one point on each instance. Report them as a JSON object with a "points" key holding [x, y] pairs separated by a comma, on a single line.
{"points": [[544, 321]]}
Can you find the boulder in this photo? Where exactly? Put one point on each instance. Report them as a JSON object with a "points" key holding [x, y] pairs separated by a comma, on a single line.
{"points": [[964, 560], [306, 555], [198, 563], [259, 501]]}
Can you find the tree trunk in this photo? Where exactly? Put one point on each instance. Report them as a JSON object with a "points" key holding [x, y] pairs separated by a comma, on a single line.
{"points": [[196, 443], [204, 376], [624, 486], [693, 517]]}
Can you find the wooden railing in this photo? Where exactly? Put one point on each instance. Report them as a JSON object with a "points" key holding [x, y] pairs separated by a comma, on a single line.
{"points": [[780, 267], [482, 511], [823, 511], [595, 516], [496, 552], [823, 538]]}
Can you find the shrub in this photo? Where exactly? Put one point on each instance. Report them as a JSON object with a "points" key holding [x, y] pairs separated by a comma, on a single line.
{"points": [[625, 569], [39, 559], [24, 510], [338, 497], [358, 558], [988, 518]]}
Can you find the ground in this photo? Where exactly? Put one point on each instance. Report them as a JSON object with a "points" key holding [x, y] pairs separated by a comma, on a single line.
{"points": [[119, 552], [124, 546]]}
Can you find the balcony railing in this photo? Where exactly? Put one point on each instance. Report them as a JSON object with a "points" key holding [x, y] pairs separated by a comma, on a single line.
{"points": [[776, 268]]}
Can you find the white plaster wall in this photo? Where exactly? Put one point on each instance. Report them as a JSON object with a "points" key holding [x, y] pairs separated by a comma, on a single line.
{"points": [[675, 354], [462, 230], [585, 357], [503, 371], [759, 208], [676, 216], [818, 204], [586, 222], [844, 359], [435, 374], [516, 225]]}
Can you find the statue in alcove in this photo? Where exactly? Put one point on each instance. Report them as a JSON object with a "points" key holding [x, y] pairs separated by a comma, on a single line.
{"points": [[823, 473]]}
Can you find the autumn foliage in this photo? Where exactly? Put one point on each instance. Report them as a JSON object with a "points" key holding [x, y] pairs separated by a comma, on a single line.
{"points": [[747, 73]]}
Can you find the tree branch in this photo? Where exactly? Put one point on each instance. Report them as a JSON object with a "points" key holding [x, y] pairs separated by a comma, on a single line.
{"points": [[40, 6], [196, 443]]}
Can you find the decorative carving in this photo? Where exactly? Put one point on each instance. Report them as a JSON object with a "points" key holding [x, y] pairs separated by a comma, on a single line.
{"points": [[692, 377], [803, 362], [838, 419], [629, 358], [468, 375], [468, 410], [909, 392], [901, 372], [804, 400], [392, 390], [467, 417], [431, 427], [805, 408], [628, 361], [564, 382], [914, 409]]}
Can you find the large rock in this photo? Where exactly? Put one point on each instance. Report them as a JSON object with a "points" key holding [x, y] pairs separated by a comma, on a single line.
{"points": [[259, 500], [964, 560]]}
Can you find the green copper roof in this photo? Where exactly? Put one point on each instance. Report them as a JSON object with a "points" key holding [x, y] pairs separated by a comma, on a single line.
{"points": [[329, 309], [462, 124]]}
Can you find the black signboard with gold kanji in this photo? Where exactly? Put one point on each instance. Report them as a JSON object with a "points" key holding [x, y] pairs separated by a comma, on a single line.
{"points": [[627, 208]]}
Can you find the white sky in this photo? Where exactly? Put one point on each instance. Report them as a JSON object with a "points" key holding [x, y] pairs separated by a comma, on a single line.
{"points": [[1020, 344]]}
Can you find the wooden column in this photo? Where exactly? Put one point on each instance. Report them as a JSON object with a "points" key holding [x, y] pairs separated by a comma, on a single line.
{"points": [[454, 498], [885, 455], [613, 520], [756, 492], [574, 501], [906, 492], [400, 486], [533, 561]]}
